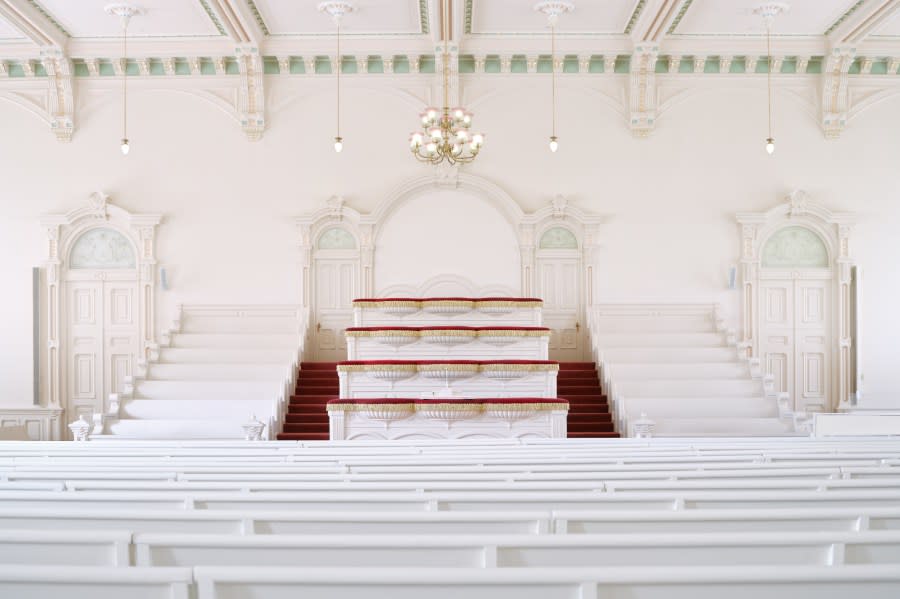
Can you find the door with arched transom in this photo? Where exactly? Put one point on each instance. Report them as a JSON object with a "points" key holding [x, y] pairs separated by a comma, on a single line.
{"points": [[795, 316]]}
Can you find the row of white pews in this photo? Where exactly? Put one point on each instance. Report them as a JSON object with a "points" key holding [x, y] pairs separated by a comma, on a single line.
{"points": [[677, 366], [217, 368], [506, 518], [185, 550]]}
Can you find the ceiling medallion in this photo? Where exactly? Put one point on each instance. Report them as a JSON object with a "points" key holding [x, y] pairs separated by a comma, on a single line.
{"points": [[445, 133], [554, 8]]}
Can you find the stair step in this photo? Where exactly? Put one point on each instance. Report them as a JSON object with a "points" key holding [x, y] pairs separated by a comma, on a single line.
{"points": [[303, 436]]}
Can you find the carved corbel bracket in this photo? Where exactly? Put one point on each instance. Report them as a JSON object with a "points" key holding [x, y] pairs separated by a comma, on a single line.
{"points": [[60, 96], [642, 90], [835, 93], [251, 94]]}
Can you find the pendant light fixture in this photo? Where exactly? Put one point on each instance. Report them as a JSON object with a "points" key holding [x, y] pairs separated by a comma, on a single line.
{"points": [[768, 12], [124, 12], [445, 133], [553, 9], [337, 10]]}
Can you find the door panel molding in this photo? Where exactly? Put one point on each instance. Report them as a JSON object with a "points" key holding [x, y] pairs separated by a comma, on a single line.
{"points": [[819, 338], [106, 295]]}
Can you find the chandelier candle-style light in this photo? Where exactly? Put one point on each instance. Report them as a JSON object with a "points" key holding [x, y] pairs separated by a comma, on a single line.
{"points": [[124, 12], [337, 9], [768, 12], [553, 9], [445, 133]]}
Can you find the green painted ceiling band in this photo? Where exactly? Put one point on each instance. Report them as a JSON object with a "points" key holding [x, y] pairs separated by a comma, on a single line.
{"points": [[469, 16], [212, 17], [681, 12], [423, 16], [844, 17], [258, 17], [49, 17], [635, 16]]}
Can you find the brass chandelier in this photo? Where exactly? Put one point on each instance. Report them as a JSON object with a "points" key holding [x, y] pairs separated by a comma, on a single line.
{"points": [[445, 134]]}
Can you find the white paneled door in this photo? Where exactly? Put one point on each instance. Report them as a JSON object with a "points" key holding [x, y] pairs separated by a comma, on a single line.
{"points": [[336, 286], [559, 284], [102, 341], [795, 337]]}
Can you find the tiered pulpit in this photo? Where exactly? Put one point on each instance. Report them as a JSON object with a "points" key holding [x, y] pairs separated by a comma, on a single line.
{"points": [[447, 368]]}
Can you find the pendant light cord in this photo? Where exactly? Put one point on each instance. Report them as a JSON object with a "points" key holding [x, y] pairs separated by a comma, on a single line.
{"points": [[769, 73], [553, 71], [339, 68], [445, 13], [125, 81]]}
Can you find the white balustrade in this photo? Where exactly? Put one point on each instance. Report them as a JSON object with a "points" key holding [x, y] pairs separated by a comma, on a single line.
{"points": [[447, 343], [502, 311], [447, 419], [467, 379]]}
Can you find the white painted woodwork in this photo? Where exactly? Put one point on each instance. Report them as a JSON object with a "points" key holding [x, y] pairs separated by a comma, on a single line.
{"points": [[101, 304], [378, 425], [378, 317], [794, 338], [676, 365], [797, 312], [336, 286], [856, 424], [560, 284], [39, 424], [367, 385], [220, 366], [461, 348]]}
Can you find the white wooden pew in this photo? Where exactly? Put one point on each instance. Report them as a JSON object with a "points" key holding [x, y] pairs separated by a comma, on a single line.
{"points": [[274, 522], [82, 582], [493, 551], [453, 501], [65, 548], [726, 521], [736, 582]]}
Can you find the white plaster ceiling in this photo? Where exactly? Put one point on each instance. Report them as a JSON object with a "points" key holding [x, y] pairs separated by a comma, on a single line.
{"points": [[163, 18], [286, 17], [519, 17], [8, 32], [889, 29], [723, 17]]}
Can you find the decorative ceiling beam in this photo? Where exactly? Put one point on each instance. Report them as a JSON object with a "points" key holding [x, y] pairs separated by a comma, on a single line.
{"points": [[862, 19], [33, 23], [240, 23], [654, 20], [43, 31]]}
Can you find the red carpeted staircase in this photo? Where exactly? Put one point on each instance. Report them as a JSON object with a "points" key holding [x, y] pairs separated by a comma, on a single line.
{"points": [[588, 410], [307, 418], [578, 383]]}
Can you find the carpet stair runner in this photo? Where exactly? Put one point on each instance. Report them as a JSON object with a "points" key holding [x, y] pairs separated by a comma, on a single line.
{"points": [[589, 414], [307, 418]]}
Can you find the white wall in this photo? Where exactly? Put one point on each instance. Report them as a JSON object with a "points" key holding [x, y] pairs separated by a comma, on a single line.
{"points": [[447, 232], [228, 234]]}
